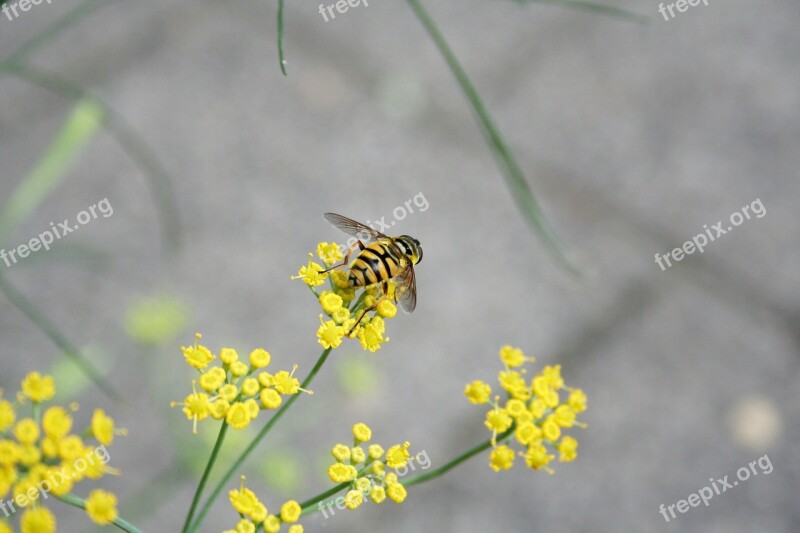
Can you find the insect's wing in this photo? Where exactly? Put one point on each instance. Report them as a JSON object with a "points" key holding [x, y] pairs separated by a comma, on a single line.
{"points": [[406, 291], [351, 227]]}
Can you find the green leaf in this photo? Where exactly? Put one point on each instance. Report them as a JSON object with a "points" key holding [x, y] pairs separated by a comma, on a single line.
{"points": [[514, 176], [84, 122], [600, 9]]}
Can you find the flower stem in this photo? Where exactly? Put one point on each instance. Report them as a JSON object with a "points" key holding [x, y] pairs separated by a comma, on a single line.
{"points": [[202, 485], [306, 505], [472, 452], [252, 446], [80, 503]]}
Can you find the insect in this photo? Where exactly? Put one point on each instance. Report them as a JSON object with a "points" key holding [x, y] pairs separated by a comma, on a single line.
{"points": [[384, 259]]}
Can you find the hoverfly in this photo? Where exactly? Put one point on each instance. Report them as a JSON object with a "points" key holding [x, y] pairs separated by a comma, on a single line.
{"points": [[384, 259]]}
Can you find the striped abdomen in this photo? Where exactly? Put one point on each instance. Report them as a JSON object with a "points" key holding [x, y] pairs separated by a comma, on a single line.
{"points": [[378, 262]]}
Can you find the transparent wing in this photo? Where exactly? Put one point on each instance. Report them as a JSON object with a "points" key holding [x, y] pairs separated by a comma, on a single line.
{"points": [[406, 291], [351, 227]]}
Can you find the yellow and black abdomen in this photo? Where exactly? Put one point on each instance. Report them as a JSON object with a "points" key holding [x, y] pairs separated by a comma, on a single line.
{"points": [[378, 262]]}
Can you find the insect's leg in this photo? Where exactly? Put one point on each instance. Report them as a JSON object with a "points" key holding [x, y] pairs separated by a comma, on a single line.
{"points": [[347, 256], [364, 313]]}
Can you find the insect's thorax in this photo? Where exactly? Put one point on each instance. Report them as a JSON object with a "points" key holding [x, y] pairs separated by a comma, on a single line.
{"points": [[380, 261]]}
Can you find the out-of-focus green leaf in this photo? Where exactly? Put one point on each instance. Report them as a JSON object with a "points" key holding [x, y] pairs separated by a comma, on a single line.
{"points": [[156, 320], [70, 379], [282, 471], [82, 124], [593, 7], [357, 376]]}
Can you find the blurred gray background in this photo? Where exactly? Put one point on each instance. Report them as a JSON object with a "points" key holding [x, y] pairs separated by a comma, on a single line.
{"points": [[632, 136]]}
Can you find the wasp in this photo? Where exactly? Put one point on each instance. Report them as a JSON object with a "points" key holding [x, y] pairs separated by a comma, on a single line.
{"points": [[384, 259]]}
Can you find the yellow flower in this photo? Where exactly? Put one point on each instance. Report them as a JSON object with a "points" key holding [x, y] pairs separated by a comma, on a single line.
{"points": [[340, 280], [528, 433], [362, 432], [228, 356], [377, 494], [270, 398], [330, 302], [478, 392], [514, 384], [512, 357], [38, 388], [312, 274], [26, 431], [397, 456], [363, 484], [70, 447], [245, 526], [397, 492], [497, 420], [550, 429], [353, 499], [37, 520], [272, 524], [329, 334], [297, 528], [101, 506], [553, 376], [370, 337], [213, 379], [341, 453], [219, 409], [286, 383], [259, 513], [330, 254], [290, 512], [5, 528], [250, 387], [228, 392], [103, 427], [501, 458], [538, 408], [30, 455], [239, 369], [238, 416], [537, 458], [260, 358], [375, 451], [196, 406], [564, 416], [576, 400], [197, 356], [9, 452], [243, 500], [341, 315], [568, 449], [387, 309], [339, 473], [56, 422], [7, 415], [357, 455]]}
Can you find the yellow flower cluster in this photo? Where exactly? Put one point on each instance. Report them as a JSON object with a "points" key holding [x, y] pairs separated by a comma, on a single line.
{"points": [[367, 471], [533, 413], [344, 305], [41, 457], [255, 516], [235, 391]]}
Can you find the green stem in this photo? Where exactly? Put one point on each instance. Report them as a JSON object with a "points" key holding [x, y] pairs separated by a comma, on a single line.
{"points": [[59, 339], [472, 452], [258, 438], [280, 37], [515, 177], [306, 505], [80, 503], [203, 480]]}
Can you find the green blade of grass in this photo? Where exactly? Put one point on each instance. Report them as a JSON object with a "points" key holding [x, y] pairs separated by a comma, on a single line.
{"points": [[281, 57], [593, 7], [130, 141], [514, 176], [76, 132], [57, 337]]}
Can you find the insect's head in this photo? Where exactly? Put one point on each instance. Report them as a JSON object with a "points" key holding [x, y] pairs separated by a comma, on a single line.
{"points": [[411, 247]]}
